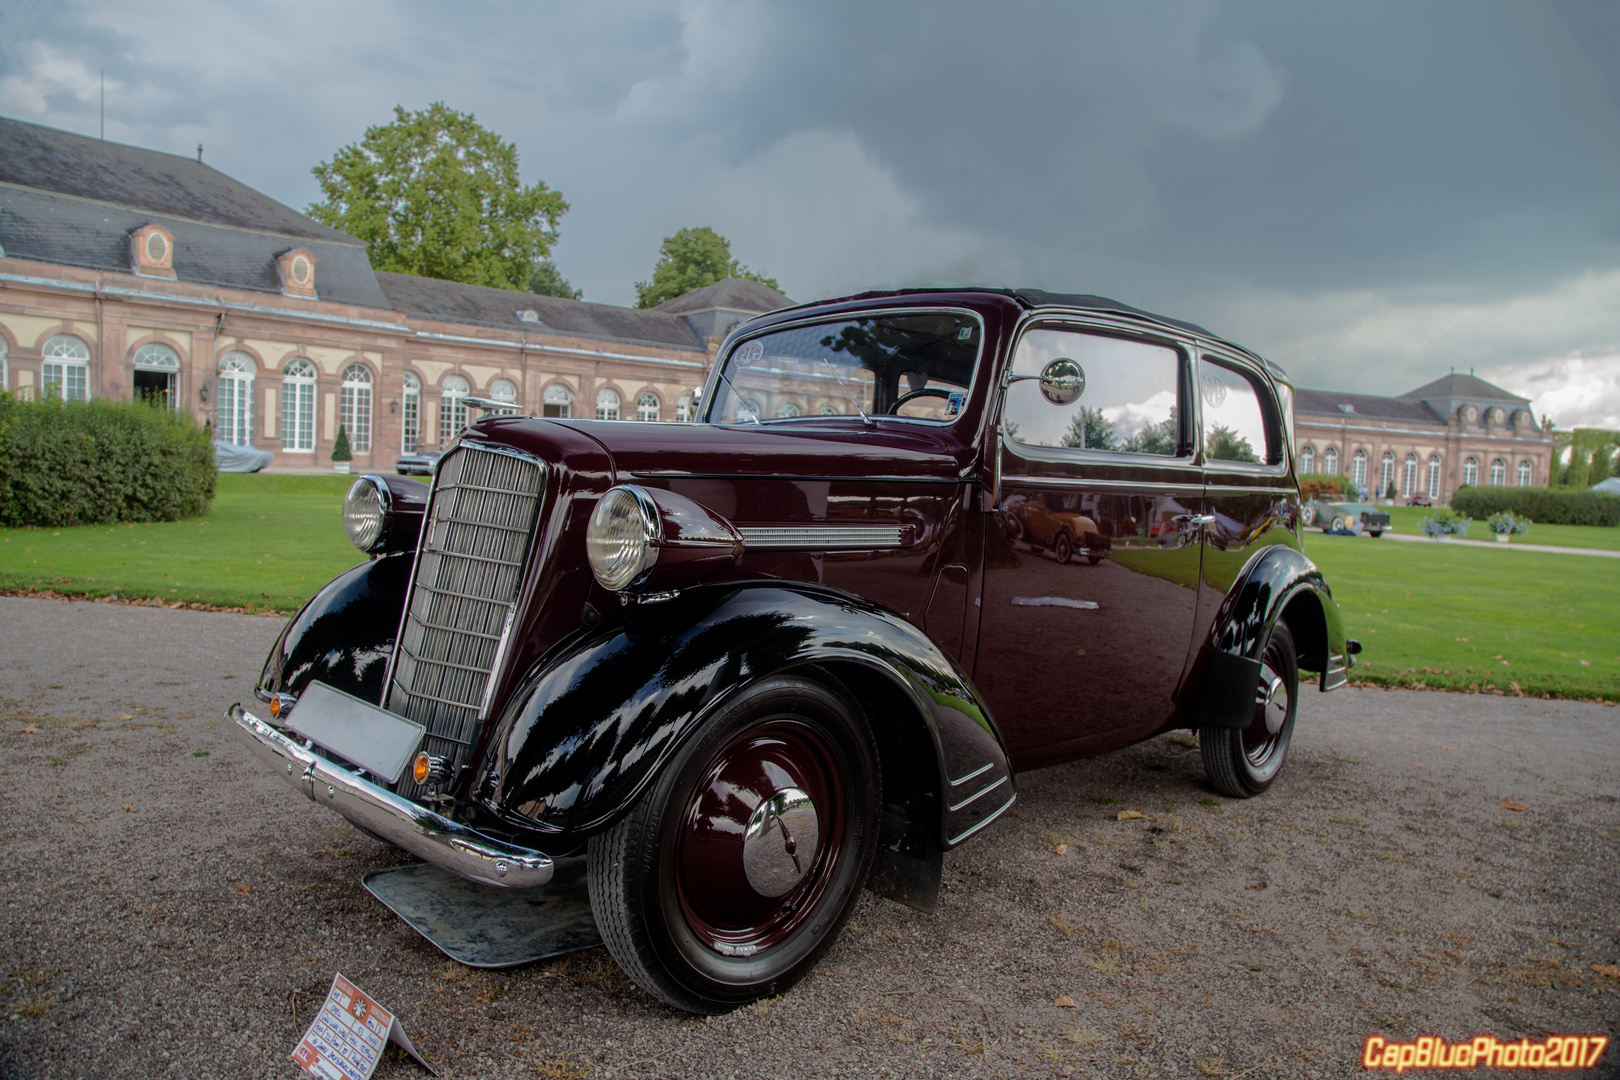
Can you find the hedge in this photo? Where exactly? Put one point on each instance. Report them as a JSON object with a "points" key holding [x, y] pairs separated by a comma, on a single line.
{"points": [[85, 462], [1542, 505]]}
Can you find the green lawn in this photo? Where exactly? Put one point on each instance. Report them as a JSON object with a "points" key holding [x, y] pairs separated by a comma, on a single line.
{"points": [[1462, 618], [268, 543], [1405, 519]]}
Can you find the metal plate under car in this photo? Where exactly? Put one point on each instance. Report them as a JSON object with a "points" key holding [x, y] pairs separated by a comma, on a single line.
{"points": [[485, 927], [378, 741]]}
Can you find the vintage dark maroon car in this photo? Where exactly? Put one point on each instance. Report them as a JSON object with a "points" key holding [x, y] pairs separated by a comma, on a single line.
{"points": [[748, 665]]}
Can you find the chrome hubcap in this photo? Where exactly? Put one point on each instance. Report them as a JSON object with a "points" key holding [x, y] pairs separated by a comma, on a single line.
{"points": [[1272, 699], [780, 842]]}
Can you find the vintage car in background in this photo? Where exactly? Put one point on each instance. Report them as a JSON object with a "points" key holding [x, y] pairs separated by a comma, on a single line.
{"points": [[1063, 532], [1336, 516], [749, 665], [417, 463]]}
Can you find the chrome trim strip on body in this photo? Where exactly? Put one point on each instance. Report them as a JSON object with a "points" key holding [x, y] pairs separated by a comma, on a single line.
{"points": [[434, 837], [977, 795], [822, 537], [980, 771], [997, 812], [1145, 486], [803, 478]]}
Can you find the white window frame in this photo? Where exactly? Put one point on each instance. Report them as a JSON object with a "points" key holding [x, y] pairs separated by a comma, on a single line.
{"points": [[1307, 459], [1527, 473], [5, 352], [557, 402], [354, 407], [1409, 476], [1386, 473], [683, 409], [647, 408], [452, 409], [1470, 476], [410, 427], [1358, 468], [504, 390], [1330, 461], [1499, 473], [234, 399], [607, 403], [66, 366], [1435, 466], [298, 406]]}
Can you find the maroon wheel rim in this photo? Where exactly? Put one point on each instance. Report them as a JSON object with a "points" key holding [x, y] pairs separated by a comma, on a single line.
{"points": [[773, 763]]}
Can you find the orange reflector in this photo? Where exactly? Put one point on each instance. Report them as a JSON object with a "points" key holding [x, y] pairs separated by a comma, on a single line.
{"points": [[421, 767], [275, 707]]}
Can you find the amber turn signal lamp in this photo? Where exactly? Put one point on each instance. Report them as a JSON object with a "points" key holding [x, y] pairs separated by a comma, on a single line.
{"points": [[421, 768], [275, 707]]}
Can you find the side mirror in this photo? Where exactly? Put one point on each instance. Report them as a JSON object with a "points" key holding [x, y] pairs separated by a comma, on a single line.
{"points": [[1062, 381]]}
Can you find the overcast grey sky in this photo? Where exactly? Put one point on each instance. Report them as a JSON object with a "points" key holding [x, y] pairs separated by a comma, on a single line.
{"points": [[1369, 193]]}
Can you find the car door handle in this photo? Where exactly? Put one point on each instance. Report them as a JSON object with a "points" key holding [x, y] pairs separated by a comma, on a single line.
{"points": [[1194, 519]]}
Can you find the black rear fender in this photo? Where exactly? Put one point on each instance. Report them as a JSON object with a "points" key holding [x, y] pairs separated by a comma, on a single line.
{"points": [[593, 723]]}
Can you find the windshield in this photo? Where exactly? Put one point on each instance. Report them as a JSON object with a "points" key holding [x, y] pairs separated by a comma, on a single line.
{"points": [[917, 366]]}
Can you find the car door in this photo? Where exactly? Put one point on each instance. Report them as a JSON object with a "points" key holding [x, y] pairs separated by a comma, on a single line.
{"points": [[1248, 492], [1079, 657]]}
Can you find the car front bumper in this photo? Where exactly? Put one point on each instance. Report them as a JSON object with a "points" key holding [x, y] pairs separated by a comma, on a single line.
{"points": [[415, 828]]}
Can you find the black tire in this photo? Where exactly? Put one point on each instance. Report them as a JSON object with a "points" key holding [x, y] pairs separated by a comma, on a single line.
{"points": [[1063, 546], [1307, 514], [685, 906], [1243, 762], [1375, 533], [1014, 525], [1338, 523], [1094, 559]]}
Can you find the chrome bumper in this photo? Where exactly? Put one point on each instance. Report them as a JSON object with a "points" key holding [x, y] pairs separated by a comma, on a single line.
{"points": [[415, 828]]}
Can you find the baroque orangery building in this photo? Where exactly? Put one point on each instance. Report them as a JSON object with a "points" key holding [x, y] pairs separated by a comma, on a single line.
{"points": [[129, 273]]}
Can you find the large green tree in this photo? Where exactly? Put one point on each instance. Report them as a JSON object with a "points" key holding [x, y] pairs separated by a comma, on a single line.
{"points": [[546, 280], [691, 259], [436, 193]]}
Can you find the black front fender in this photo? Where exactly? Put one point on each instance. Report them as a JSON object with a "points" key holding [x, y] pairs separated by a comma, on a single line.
{"points": [[344, 635], [591, 725], [1278, 583]]}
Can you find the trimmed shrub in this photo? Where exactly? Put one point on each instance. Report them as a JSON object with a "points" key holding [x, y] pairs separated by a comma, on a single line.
{"points": [[84, 462], [1545, 506]]}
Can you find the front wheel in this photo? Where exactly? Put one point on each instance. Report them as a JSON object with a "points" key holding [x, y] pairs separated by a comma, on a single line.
{"points": [[735, 871], [1242, 762], [1063, 546]]}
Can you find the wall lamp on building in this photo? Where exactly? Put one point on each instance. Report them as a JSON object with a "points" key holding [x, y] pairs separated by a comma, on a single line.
{"points": [[202, 392], [393, 406]]}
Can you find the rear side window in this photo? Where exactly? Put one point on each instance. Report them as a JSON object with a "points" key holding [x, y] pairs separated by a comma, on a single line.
{"points": [[1128, 402], [1238, 425]]}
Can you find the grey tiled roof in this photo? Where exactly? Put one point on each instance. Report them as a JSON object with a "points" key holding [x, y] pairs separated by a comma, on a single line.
{"points": [[481, 305], [732, 294], [35, 156], [1326, 404], [1465, 388]]}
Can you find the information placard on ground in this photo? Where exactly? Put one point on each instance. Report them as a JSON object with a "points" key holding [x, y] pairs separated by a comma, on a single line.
{"points": [[349, 1035]]}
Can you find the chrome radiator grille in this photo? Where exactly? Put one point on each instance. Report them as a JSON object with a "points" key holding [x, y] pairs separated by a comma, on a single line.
{"points": [[469, 569]]}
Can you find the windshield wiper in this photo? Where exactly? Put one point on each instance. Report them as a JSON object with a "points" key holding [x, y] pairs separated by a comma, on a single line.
{"points": [[753, 416], [851, 397]]}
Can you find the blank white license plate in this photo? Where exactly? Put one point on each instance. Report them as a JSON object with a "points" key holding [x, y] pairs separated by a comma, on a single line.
{"points": [[378, 741]]}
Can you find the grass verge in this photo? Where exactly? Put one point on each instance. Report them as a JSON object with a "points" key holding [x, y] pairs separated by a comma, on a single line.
{"points": [[267, 543], [1405, 520]]}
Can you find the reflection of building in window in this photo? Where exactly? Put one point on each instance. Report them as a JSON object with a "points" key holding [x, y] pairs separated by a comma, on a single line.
{"points": [[1330, 461], [683, 408], [607, 404], [1471, 472], [749, 411], [410, 437], [452, 409], [354, 407], [1409, 481], [1524, 473], [1358, 469], [298, 405], [235, 424], [1434, 476], [66, 367], [1386, 473], [647, 407], [1498, 473], [156, 374], [787, 409], [1307, 459], [558, 402], [505, 390]]}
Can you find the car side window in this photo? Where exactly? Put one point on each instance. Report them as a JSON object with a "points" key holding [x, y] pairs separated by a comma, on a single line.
{"points": [[1128, 396], [1237, 427]]}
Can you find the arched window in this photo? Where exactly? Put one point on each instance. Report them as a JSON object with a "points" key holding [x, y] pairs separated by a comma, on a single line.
{"points": [[298, 405], [1524, 473], [683, 408], [156, 375], [410, 436], [1434, 476], [559, 402], [66, 367], [1471, 472], [4, 351], [1386, 473], [1358, 469], [749, 411], [1409, 480], [828, 410], [235, 423], [1330, 461], [354, 407], [607, 404], [787, 408], [1498, 473], [452, 410], [505, 390], [647, 407], [1307, 459]]}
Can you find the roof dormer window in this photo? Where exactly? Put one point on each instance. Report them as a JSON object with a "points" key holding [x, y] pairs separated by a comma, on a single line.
{"points": [[1347, 408], [528, 315], [152, 252], [297, 269]]}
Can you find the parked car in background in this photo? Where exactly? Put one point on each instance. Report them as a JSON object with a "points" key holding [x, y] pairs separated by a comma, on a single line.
{"points": [[419, 463], [230, 457], [750, 665], [1418, 498], [1335, 516]]}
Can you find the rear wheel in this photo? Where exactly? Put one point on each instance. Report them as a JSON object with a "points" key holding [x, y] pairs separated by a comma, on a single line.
{"points": [[1241, 762], [735, 871], [1375, 532], [1338, 523], [1063, 546]]}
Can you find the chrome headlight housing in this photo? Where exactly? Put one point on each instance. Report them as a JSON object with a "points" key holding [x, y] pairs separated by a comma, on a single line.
{"points": [[365, 513], [621, 539]]}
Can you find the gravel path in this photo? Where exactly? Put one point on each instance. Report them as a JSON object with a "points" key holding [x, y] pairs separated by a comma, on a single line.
{"points": [[172, 910]]}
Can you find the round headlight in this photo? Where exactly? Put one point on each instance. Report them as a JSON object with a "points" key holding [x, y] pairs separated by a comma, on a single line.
{"points": [[365, 511], [618, 540]]}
